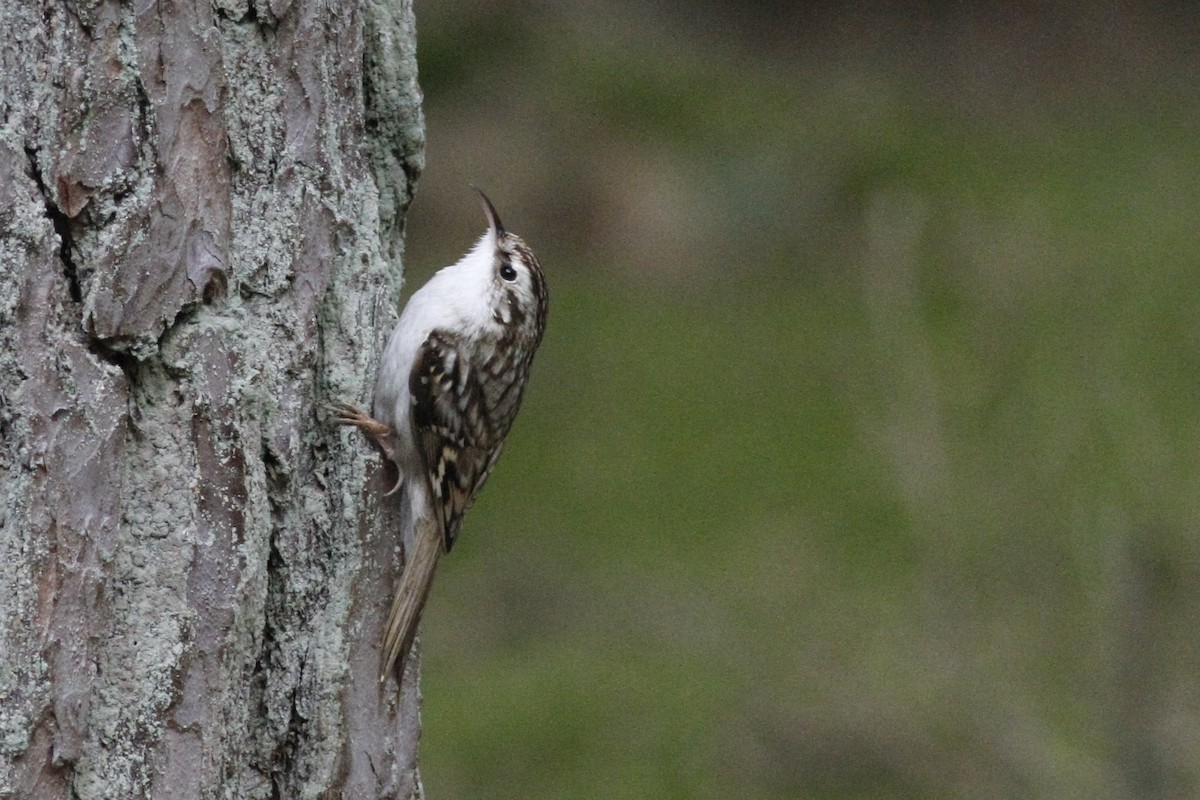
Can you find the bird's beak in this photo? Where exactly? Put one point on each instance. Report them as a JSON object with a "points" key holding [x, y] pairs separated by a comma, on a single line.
{"points": [[489, 211]]}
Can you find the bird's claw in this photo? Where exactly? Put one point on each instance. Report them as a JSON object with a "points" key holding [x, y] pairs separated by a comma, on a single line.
{"points": [[380, 434]]}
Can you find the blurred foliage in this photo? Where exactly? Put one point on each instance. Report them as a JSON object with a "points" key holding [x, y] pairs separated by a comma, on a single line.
{"points": [[862, 456]]}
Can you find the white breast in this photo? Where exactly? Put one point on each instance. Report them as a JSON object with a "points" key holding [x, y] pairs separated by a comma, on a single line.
{"points": [[456, 298]]}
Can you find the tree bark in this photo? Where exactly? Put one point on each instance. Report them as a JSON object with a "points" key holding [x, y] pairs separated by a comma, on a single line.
{"points": [[201, 203]]}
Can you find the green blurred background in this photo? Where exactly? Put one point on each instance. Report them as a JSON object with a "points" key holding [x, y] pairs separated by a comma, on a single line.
{"points": [[862, 456]]}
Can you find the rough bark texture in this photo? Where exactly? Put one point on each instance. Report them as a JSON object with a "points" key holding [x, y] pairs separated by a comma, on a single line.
{"points": [[201, 204]]}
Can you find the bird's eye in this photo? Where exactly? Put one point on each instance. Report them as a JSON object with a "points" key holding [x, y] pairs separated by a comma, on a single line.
{"points": [[507, 272]]}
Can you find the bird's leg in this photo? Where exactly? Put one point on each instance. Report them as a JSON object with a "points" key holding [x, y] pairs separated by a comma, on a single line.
{"points": [[380, 435]]}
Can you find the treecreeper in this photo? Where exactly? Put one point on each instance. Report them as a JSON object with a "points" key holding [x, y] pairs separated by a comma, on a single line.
{"points": [[449, 387]]}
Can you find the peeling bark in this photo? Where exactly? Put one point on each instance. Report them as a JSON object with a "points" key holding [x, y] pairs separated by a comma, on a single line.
{"points": [[200, 207]]}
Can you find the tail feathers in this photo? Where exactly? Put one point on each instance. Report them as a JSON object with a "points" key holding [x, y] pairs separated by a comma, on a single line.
{"points": [[405, 614]]}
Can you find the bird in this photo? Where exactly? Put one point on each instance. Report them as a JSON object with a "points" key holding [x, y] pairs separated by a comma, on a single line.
{"points": [[448, 388]]}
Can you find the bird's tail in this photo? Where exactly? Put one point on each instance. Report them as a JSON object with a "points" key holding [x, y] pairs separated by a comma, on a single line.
{"points": [[401, 626]]}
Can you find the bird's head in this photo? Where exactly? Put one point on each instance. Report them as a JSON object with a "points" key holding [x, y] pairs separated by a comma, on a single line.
{"points": [[518, 287]]}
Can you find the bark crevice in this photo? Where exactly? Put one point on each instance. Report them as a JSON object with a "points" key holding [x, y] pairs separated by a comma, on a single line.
{"points": [[62, 227]]}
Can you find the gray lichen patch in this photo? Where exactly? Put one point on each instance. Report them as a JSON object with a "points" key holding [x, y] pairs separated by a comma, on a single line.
{"points": [[394, 121]]}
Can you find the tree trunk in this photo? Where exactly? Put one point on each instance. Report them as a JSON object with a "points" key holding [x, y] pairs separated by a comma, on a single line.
{"points": [[201, 202]]}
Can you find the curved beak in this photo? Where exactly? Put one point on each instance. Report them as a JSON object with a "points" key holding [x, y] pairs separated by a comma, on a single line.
{"points": [[489, 211]]}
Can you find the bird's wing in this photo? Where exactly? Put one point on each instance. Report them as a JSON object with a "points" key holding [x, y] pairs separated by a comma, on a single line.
{"points": [[452, 427]]}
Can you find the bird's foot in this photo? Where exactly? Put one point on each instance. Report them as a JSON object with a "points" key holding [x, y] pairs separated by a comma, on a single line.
{"points": [[381, 435]]}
